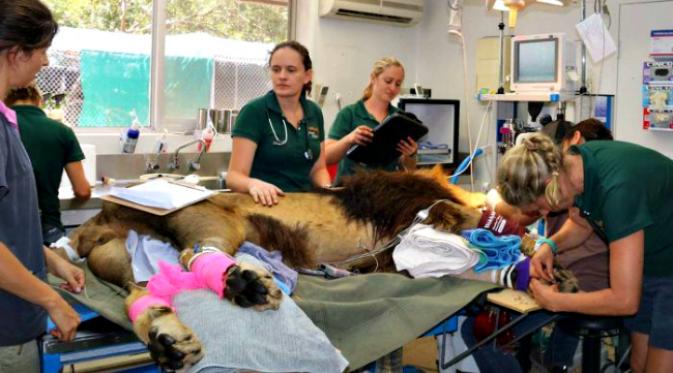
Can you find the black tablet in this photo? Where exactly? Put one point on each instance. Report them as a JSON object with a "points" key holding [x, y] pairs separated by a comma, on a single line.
{"points": [[382, 150]]}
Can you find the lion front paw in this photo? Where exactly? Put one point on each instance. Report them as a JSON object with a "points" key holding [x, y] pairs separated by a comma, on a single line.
{"points": [[566, 280], [172, 345], [251, 286]]}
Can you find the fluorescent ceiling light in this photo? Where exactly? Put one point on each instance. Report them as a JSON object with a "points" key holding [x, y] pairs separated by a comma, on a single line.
{"points": [[551, 2], [500, 6]]}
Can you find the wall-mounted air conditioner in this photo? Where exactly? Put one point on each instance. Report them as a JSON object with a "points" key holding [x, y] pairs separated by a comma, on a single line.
{"points": [[397, 12]]}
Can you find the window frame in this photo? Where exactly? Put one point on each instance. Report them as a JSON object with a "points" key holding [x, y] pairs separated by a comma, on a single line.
{"points": [[157, 102]]}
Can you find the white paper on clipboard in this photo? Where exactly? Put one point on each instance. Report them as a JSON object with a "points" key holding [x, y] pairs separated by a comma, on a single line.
{"points": [[596, 37], [162, 194]]}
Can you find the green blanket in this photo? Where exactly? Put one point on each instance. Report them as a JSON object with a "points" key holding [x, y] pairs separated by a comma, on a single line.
{"points": [[365, 316]]}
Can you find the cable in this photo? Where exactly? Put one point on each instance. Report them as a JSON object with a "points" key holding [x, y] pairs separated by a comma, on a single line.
{"points": [[455, 15], [477, 152]]}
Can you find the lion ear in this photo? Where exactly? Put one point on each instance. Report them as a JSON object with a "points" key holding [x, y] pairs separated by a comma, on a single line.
{"points": [[437, 173]]}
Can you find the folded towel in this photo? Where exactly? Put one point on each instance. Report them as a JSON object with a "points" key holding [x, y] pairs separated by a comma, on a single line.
{"points": [[426, 252]]}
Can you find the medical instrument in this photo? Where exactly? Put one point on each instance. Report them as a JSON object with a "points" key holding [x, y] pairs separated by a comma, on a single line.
{"points": [[308, 153], [657, 93], [276, 139]]}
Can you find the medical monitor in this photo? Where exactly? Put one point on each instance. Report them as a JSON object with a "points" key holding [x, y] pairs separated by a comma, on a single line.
{"points": [[440, 145], [543, 63]]}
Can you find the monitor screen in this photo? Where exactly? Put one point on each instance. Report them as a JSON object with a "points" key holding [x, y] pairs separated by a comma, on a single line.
{"points": [[535, 61], [440, 145]]}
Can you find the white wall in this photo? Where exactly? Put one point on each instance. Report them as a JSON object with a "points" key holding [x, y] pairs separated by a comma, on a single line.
{"points": [[635, 44], [344, 51]]}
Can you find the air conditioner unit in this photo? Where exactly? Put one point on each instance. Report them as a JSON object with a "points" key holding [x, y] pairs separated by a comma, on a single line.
{"points": [[397, 12]]}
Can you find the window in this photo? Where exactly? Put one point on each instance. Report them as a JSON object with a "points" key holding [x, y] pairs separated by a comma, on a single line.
{"points": [[207, 54]]}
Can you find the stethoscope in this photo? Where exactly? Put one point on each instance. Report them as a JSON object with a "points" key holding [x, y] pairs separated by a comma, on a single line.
{"points": [[308, 153]]}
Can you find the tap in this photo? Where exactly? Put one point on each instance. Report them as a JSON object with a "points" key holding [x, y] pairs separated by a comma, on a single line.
{"points": [[194, 165]]}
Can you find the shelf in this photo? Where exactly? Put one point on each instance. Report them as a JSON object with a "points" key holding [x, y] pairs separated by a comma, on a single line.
{"points": [[433, 151], [527, 96], [661, 129]]}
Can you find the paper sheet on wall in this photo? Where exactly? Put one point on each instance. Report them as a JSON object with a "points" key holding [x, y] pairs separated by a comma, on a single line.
{"points": [[162, 194], [596, 37]]}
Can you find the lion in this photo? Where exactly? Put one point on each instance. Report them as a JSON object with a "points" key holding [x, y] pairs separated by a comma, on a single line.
{"points": [[335, 226]]}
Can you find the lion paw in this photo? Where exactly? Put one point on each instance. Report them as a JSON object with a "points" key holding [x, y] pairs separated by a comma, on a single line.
{"points": [[251, 286], [172, 345], [566, 280]]}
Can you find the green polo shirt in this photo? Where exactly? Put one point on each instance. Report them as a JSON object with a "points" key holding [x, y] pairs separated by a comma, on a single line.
{"points": [[348, 119], [627, 188], [285, 155], [50, 145]]}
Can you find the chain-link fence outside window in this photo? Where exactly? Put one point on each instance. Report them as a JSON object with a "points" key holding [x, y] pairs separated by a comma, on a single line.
{"points": [[218, 62], [235, 82]]}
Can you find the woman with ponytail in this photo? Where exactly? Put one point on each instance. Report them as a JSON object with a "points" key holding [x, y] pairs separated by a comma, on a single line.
{"points": [[278, 139], [354, 123], [623, 192]]}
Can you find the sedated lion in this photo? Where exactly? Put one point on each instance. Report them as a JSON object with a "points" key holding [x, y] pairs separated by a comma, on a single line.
{"points": [[331, 226]]}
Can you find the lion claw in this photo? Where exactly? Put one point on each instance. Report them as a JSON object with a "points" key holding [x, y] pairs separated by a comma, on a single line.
{"points": [[173, 352]]}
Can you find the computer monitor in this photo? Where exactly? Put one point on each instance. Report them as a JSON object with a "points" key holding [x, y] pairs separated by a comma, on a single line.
{"points": [[543, 63], [440, 145]]}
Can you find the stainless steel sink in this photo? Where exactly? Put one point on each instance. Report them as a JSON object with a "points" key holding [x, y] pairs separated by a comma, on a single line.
{"points": [[213, 183]]}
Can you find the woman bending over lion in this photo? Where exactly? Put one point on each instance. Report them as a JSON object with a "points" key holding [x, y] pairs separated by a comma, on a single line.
{"points": [[624, 190]]}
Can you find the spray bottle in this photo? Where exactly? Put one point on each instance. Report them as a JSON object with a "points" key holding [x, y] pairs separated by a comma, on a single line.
{"points": [[129, 139], [207, 135], [161, 146]]}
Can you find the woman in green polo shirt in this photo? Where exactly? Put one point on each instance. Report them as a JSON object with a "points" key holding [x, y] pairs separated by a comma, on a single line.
{"points": [[354, 123], [52, 148], [278, 139], [624, 191]]}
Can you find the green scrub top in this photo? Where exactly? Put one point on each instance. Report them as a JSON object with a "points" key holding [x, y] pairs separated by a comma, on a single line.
{"points": [[627, 188], [51, 145], [285, 155], [349, 118]]}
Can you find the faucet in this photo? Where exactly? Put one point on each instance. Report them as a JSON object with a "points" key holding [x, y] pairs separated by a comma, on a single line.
{"points": [[194, 164]]}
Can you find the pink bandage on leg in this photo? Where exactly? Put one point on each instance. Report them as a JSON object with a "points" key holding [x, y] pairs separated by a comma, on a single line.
{"points": [[145, 302], [211, 268]]}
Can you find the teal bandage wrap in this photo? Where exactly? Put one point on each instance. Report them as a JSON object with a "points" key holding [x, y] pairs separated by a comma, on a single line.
{"points": [[548, 241]]}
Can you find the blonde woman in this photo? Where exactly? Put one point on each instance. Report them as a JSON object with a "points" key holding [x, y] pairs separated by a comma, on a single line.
{"points": [[354, 123], [624, 191]]}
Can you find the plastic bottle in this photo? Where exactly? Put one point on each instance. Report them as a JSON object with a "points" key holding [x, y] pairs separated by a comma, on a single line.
{"points": [[161, 146], [207, 135], [130, 137]]}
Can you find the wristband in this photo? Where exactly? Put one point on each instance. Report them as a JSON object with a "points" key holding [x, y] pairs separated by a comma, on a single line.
{"points": [[548, 241]]}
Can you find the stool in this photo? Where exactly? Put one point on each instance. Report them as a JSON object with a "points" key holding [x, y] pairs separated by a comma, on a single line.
{"points": [[591, 329]]}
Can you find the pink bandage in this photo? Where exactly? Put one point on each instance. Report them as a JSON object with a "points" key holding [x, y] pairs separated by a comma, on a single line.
{"points": [[211, 269], [145, 302]]}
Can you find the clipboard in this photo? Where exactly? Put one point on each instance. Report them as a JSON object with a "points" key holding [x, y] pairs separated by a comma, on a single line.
{"points": [[514, 299], [381, 151], [185, 195]]}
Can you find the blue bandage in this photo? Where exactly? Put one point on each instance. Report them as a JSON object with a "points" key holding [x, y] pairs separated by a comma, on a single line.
{"points": [[496, 251]]}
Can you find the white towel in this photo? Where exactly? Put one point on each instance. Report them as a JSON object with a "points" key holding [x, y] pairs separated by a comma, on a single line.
{"points": [[146, 252], [426, 252]]}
